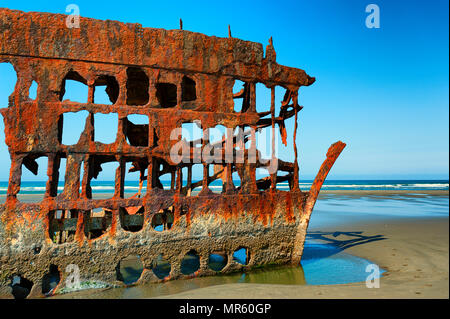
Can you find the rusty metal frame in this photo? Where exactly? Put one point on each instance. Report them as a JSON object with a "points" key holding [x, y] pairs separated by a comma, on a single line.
{"points": [[172, 77]]}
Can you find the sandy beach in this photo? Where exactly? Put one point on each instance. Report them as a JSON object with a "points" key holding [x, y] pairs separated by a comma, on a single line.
{"points": [[414, 253]]}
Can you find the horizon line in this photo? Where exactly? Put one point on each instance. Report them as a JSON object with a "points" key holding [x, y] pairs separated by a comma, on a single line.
{"points": [[329, 180]]}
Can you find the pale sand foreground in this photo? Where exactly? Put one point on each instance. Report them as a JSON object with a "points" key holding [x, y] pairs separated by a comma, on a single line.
{"points": [[414, 253]]}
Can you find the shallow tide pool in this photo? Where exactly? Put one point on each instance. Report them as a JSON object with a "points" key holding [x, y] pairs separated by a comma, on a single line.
{"points": [[322, 264]]}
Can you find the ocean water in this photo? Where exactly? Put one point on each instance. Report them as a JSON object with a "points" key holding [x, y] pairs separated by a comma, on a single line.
{"points": [[107, 187]]}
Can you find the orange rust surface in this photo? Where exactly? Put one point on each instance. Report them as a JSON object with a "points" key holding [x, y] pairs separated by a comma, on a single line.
{"points": [[108, 52], [172, 77]]}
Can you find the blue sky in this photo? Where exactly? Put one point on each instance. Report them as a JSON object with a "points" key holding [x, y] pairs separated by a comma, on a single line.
{"points": [[382, 91]]}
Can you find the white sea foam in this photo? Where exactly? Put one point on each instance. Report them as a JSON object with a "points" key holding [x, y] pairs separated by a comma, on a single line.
{"points": [[33, 188], [429, 185], [40, 188]]}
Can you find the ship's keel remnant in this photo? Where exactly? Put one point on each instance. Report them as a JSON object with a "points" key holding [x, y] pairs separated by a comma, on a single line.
{"points": [[172, 77]]}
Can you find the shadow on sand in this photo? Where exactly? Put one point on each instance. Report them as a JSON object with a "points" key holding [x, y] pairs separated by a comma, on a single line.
{"points": [[321, 244]]}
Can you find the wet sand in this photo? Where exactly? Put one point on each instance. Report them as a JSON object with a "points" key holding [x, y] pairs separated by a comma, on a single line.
{"points": [[381, 192], [414, 253]]}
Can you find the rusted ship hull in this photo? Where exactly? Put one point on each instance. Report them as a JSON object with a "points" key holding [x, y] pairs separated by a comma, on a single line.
{"points": [[172, 77], [268, 238]]}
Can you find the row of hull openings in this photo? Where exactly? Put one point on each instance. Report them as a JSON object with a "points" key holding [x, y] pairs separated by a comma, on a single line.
{"points": [[130, 268], [63, 224], [101, 181], [34, 182], [135, 129], [106, 90], [72, 125]]}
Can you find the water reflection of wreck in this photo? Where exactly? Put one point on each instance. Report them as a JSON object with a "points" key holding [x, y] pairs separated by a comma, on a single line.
{"points": [[172, 77]]}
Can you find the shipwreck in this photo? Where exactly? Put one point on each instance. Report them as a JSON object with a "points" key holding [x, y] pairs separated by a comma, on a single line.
{"points": [[172, 77]]}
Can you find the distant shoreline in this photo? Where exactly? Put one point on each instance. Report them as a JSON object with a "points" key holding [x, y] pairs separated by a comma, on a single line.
{"points": [[358, 193]]}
